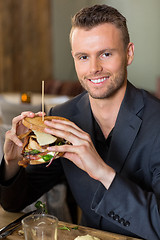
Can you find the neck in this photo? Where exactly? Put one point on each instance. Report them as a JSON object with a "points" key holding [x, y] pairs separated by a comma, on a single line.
{"points": [[105, 111]]}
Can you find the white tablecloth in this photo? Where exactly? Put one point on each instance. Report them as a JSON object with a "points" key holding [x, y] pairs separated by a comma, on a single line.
{"points": [[36, 100]]}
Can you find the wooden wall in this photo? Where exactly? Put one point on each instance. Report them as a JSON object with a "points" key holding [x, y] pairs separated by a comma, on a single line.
{"points": [[25, 44]]}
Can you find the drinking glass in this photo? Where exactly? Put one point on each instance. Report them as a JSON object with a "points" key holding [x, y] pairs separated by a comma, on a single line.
{"points": [[40, 227]]}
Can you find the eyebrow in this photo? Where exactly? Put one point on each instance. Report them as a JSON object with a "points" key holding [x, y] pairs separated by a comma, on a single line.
{"points": [[99, 52], [79, 54]]}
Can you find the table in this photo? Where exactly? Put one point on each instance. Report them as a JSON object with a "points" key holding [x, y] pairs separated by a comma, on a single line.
{"points": [[7, 217], [11, 105], [50, 100]]}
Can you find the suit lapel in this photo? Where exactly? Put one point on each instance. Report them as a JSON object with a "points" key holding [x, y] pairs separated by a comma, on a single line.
{"points": [[126, 128], [123, 137], [83, 117]]}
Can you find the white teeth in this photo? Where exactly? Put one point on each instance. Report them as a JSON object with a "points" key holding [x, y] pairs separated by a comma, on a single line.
{"points": [[98, 80]]}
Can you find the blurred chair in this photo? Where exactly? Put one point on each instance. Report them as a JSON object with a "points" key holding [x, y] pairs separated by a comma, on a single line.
{"points": [[10, 110], [68, 88]]}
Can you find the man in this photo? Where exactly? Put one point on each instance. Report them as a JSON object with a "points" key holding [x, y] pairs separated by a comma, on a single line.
{"points": [[113, 164]]}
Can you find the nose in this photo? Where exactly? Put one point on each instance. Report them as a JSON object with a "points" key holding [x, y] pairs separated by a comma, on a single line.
{"points": [[95, 66]]}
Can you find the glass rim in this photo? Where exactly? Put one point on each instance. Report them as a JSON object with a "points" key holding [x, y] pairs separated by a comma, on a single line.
{"points": [[40, 215]]}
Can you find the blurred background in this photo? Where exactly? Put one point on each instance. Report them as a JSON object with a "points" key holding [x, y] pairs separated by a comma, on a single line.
{"points": [[34, 42]]}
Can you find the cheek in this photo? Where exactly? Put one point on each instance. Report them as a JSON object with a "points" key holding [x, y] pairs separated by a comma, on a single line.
{"points": [[116, 65], [81, 69]]}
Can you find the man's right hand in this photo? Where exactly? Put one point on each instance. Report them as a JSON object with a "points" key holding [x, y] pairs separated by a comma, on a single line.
{"points": [[13, 145]]}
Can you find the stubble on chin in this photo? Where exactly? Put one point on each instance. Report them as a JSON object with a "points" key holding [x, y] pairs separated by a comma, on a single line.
{"points": [[110, 90]]}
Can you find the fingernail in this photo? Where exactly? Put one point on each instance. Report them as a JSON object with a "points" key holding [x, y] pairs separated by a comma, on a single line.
{"points": [[48, 130], [20, 144]]}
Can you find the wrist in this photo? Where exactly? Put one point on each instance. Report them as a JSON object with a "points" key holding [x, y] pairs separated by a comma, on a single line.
{"points": [[107, 176]]}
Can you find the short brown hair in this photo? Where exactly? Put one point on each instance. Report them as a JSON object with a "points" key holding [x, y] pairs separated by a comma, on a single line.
{"points": [[98, 14]]}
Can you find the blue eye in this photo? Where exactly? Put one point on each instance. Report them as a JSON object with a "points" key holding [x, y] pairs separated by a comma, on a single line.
{"points": [[106, 54], [83, 57]]}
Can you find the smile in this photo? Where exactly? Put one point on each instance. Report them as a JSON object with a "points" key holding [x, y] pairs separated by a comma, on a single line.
{"points": [[99, 80]]}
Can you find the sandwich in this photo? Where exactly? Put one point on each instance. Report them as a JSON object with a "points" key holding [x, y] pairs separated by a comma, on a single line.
{"points": [[36, 141]]}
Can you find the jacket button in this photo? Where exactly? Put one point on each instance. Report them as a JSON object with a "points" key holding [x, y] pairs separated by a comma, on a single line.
{"points": [[121, 221], [116, 217], [126, 224], [111, 214]]}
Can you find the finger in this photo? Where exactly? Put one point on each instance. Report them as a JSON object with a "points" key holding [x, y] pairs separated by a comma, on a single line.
{"points": [[31, 114], [28, 114], [75, 137], [67, 123], [40, 114], [63, 148], [69, 151], [13, 137], [65, 129], [15, 122], [73, 153]]}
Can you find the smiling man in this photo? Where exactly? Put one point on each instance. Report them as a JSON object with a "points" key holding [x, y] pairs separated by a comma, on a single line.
{"points": [[101, 59], [113, 162]]}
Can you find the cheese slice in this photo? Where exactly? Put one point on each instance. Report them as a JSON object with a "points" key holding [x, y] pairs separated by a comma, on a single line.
{"points": [[44, 138], [86, 237]]}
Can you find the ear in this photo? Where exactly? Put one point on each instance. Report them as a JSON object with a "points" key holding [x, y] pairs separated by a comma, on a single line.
{"points": [[130, 53]]}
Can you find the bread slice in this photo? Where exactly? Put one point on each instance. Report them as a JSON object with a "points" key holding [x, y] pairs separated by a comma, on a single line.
{"points": [[36, 123]]}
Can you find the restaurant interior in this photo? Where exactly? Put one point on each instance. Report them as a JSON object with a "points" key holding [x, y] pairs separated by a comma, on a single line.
{"points": [[34, 47]]}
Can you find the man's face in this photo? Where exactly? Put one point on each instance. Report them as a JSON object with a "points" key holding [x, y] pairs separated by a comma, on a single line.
{"points": [[100, 59]]}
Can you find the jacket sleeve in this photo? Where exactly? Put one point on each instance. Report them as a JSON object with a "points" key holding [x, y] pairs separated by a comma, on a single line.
{"points": [[29, 184], [129, 205]]}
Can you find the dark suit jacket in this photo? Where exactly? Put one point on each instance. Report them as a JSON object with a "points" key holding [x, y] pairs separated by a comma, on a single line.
{"points": [[131, 205]]}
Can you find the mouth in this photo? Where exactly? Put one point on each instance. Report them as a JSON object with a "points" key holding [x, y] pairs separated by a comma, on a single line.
{"points": [[99, 80]]}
